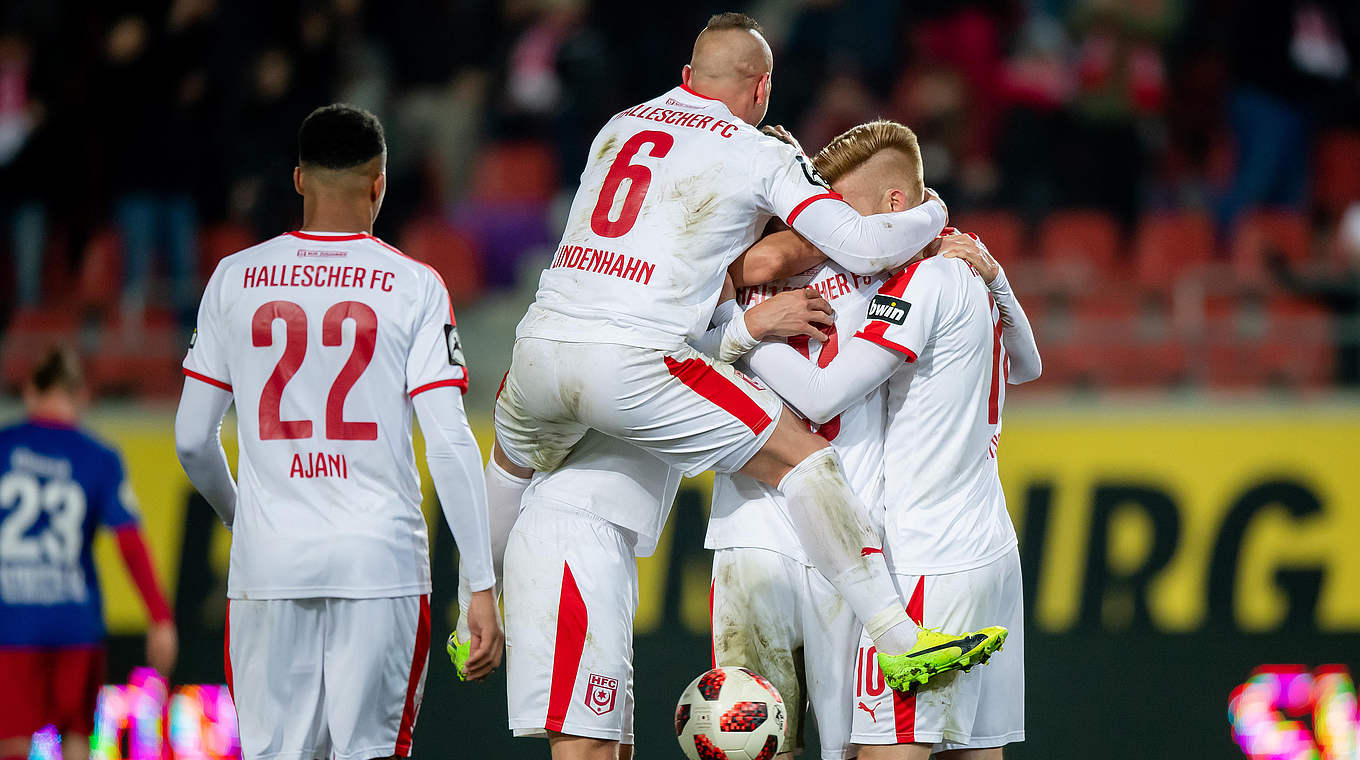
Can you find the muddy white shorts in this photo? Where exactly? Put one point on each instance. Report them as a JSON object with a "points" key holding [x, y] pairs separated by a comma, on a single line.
{"points": [[327, 678], [784, 620], [982, 708], [570, 594], [692, 412]]}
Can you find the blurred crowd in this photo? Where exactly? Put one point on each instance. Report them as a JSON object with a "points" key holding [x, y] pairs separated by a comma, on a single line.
{"points": [[140, 141]]}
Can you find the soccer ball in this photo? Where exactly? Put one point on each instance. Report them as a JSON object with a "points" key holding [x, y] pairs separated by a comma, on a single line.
{"points": [[730, 714]]}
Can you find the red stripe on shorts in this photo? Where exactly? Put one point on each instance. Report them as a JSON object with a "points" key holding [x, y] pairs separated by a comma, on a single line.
{"points": [[712, 628], [226, 653], [904, 705], [418, 662], [714, 386], [570, 643]]}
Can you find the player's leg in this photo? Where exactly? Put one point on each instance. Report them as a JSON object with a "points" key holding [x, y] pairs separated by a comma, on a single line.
{"points": [[830, 645], [538, 415], [889, 724], [78, 673], [756, 613], [1000, 706], [896, 752], [274, 669], [570, 597], [991, 753], [376, 655], [24, 693]]}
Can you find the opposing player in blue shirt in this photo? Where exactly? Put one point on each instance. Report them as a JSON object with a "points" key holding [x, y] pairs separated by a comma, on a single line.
{"points": [[57, 485]]}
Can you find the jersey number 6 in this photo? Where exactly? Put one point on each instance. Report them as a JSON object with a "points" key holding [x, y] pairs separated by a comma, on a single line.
{"points": [[272, 427], [641, 177]]}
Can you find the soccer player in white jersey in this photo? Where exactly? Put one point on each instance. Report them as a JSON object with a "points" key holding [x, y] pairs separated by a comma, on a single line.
{"points": [[326, 339], [944, 336], [673, 191]]}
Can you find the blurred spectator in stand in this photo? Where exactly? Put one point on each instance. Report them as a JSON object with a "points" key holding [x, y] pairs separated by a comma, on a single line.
{"points": [[1120, 93], [1286, 58], [1035, 88], [261, 189], [1338, 290], [24, 165], [154, 79], [842, 102]]}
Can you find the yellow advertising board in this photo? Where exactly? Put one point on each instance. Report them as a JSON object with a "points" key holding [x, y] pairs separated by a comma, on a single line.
{"points": [[1159, 518]]}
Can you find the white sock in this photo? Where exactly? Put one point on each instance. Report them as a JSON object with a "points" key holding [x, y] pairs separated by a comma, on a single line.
{"points": [[503, 494], [835, 530]]}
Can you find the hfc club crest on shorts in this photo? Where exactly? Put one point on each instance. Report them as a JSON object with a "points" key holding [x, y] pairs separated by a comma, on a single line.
{"points": [[600, 693]]}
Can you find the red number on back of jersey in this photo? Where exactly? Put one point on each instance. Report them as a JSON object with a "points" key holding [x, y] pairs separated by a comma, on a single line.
{"points": [[272, 427], [832, 427], [640, 179], [365, 338]]}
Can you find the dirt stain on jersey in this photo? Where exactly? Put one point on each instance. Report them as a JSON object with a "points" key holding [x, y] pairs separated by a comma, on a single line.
{"points": [[607, 147]]}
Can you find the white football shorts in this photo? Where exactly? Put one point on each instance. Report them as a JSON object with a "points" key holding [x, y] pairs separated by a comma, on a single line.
{"points": [[691, 411], [570, 594], [784, 620], [982, 708], [325, 677]]}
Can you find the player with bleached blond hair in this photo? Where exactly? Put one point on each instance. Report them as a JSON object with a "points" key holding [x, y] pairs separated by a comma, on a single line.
{"points": [[930, 349]]}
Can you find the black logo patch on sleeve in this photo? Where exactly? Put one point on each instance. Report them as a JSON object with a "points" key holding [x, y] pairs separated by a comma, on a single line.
{"points": [[889, 309], [454, 346], [810, 171]]}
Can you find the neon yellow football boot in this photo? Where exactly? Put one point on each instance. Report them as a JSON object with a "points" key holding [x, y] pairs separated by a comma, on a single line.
{"points": [[937, 653], [459, 652]]}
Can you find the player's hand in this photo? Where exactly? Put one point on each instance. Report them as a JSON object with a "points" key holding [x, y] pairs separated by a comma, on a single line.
{"points": [[793, 312], [778, 132], [488, 643], [971, 250], [931, 195], [162, 647]]}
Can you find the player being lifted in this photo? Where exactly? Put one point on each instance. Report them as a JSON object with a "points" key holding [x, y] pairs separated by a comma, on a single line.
{"points": [[673, 191], [762, 580], [326, 339], [944, 336], [58, 485]]}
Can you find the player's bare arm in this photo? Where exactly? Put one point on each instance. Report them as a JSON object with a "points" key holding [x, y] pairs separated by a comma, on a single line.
{"points": [[778, 255]]}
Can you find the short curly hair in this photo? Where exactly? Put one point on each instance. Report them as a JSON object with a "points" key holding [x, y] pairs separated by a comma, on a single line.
{"points": [[340, 136]]}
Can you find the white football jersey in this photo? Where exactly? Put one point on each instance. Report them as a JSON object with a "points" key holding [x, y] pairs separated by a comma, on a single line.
{"points": [[673, 191], [323, 339], [944, 508], [748, 513]]}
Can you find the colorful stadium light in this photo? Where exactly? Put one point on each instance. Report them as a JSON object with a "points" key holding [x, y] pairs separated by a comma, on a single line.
{"points": [[202, 723], [1268, 714]]}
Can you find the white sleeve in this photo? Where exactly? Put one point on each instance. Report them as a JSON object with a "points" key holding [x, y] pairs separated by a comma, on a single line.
{"points": [[728, 339], [1016, 334], [820, 393], [789, 187], [455, 463], [198, 442]]}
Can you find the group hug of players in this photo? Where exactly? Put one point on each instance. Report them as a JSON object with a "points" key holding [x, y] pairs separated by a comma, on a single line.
{"points": [[864, 555]]}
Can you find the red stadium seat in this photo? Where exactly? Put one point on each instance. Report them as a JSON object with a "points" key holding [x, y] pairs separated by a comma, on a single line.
{"points": [[1336, 171], [1262, 233], [219, 241], [513, 172], [450, 252], [1078, 247], [1002, 231], [101, 271], [1167, 246]]}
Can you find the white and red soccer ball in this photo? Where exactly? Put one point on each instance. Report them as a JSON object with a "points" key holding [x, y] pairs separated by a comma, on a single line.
{"points": [[730, 714]]}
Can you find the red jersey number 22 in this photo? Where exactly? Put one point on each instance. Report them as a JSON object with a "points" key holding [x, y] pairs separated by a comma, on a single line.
{"points": [[640, 179], [272, 426]]}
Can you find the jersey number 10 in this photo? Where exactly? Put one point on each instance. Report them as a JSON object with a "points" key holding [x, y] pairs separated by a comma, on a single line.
{"points": [[272, 427]]}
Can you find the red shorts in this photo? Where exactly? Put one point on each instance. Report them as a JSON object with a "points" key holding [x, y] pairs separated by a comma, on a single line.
{"points": [[56, 685]]}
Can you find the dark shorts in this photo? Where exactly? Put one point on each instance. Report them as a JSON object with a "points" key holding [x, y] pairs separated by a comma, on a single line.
{"points": [[49, 685]]}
